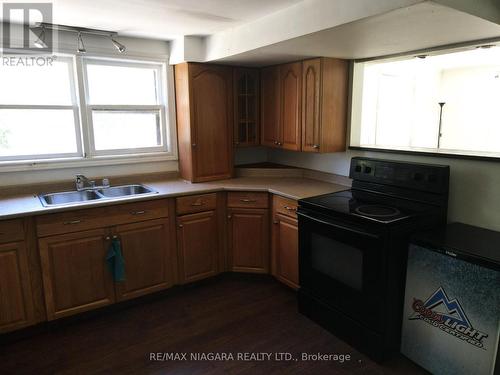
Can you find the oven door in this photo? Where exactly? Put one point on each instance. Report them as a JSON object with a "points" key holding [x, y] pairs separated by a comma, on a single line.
{"points": [[343, 265]]}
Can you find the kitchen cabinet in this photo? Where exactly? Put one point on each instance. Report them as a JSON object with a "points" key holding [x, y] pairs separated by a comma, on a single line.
{"points": [[291, 105], [146, 250], [204, 100], [246, 107], [75, 273], [285, 242], [324, 104], [281, 106], [16, 301], [197, 241], [270, 106], [248, 232], [73, 247]]}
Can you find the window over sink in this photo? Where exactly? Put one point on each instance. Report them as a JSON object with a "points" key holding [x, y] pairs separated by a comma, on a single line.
{"points": [[444, 102], [83, 108]]}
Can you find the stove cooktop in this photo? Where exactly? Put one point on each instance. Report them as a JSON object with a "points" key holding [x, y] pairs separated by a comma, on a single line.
{"points": [[372, 206]]}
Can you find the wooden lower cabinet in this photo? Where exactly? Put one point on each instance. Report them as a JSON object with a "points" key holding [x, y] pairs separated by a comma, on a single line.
{"points": [[16, 303], [248, 231], [146, 250], [75, 273], [286, 250], [197, 241]]}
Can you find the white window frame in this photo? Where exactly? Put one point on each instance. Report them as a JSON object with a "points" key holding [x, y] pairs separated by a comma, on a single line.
{"points": [[160, 108], [76, 115]]}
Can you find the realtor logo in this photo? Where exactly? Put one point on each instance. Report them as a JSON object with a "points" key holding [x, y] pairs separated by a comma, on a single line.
{"points": [[449, 316], [18, 22]]}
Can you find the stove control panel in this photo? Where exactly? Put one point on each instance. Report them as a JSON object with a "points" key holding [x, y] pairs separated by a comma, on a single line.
{"points": [[423, 177]]}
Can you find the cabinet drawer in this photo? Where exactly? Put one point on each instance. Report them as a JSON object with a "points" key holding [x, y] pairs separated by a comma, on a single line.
{"points": [[73, 221], [285, 206], [196, 203], [247, 199], [11, 230]]}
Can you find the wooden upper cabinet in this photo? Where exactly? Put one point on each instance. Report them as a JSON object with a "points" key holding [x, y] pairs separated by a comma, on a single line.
{"points": [[197, 242], [204, 100], [291, 104], [148, 262], [16, 303], [324, 104], [270, 106], [75, 273], [246, 107]]}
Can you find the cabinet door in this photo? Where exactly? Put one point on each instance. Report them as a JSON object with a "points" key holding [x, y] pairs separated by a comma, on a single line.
{"points": [[246, 107], [197, 242], [75, 273], [249, 240], [16, 301], [146, 250], [286, 250], [291, 103], [211, 127], [270, 106], [311, 105]]}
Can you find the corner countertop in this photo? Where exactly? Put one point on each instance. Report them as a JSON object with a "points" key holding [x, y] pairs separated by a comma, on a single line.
{"points": [[290, 187]]}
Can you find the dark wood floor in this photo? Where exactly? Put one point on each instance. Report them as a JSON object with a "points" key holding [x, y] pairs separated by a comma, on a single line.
{"points": [[228, 315]]}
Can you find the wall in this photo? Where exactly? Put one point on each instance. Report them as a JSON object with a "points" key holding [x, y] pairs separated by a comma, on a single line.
{"points": [[474, 185]]}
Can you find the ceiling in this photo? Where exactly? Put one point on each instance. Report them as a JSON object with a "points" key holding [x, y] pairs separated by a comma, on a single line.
{"points": [[421, 26], [163, 19]]}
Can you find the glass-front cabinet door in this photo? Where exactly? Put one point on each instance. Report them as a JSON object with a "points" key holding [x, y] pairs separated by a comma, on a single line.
{"points": [[246, 111]]}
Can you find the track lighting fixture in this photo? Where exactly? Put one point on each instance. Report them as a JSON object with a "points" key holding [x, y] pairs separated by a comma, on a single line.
{"points": [[120, 47], [80, 45]]}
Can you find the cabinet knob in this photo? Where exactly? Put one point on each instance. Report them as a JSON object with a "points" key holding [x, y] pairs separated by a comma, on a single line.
{"points": [[229, 216], [107, 238], [275, 222], [316, 146], [276, 142], [115, 237], [194, 145], [280, 144], [180, 225]]}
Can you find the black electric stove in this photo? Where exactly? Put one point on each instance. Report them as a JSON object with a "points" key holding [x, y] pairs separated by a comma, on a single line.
{"points": [[353, 246]]}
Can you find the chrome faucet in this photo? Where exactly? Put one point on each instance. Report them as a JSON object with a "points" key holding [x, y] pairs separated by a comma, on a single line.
{"points": [[83, 183]]}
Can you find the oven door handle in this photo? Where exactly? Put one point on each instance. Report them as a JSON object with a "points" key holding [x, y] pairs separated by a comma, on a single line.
{"points": [[366, 234]]}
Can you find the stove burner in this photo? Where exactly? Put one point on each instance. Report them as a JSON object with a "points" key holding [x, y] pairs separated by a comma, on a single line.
{"points": [[377, 210]]}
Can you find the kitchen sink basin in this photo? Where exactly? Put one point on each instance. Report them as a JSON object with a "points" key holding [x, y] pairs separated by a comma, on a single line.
{"points": [[126, 190], [76, 197], [68, 197]]}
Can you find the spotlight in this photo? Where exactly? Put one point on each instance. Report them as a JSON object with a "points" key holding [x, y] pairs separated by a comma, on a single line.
{"points": [[120, 47], [80, 45]]}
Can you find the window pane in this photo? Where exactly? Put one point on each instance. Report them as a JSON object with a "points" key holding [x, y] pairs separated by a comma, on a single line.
{"points": [[36, 132], [115, 130], [117, 85], [40, 85]]}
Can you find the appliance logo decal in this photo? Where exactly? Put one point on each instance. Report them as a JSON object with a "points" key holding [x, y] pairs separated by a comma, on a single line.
{"points": [[448, 315]]}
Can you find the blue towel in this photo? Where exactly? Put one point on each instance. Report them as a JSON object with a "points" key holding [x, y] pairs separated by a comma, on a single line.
{"points": [[115, 260]]}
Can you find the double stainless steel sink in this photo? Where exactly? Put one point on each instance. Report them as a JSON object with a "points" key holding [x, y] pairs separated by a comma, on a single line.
{"points": [[76, 197]]}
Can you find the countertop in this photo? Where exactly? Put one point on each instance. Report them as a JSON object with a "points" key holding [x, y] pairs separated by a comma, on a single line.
{"points": [[290, 187]]}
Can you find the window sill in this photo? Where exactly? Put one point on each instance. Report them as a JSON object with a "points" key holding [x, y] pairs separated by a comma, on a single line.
{"points": [[443, 154], [48, 164]]}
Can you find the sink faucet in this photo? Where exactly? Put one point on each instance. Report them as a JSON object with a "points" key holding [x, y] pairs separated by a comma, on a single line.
{"points": [[83, 183]]}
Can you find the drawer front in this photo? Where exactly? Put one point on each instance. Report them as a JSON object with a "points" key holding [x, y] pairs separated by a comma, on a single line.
{"points": [[196, 203], [11, 230], [74, 221], [247, 200], [285, 206]]}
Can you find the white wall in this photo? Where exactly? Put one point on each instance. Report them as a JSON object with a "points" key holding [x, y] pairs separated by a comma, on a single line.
{"points": [[474, 185]]}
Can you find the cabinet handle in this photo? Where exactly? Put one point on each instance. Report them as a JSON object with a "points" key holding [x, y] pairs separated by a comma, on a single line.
{"points": [[290, 208], [107, 238], [196, 204], [229, 216], [115, 237], [137, 212], [275, 222], [280, 144], [276, 142], [180, 225], [194, 145], [72, 222], [316, 146], [248, 200]]}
